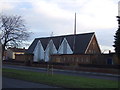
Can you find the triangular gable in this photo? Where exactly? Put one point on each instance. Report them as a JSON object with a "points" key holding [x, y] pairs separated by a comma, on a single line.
{"points": [[65, 48], [51, 46], [51, 49], [38, 52], [95, 47]]}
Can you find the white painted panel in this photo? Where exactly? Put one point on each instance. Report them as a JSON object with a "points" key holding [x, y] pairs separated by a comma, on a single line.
{"points": [[41, 52], [60, 50], [38, 52], [65, 48], [54, 49], [48, 51], [51, 49], [47, 55], [69, 50]]}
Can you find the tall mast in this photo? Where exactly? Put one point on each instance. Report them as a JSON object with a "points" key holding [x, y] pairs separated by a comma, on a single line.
{"points": [[75, 24], [74, 35]]}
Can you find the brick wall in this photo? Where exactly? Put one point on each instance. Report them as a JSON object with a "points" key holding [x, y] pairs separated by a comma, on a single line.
{"points": [[100, 59], [72, 59], [24, 57]]}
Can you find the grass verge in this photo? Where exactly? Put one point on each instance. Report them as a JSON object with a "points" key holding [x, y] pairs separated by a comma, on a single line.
{"points": [[65, 81]]}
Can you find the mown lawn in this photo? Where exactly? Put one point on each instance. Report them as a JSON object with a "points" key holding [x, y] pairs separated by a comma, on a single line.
{"points": [[65, 81]]}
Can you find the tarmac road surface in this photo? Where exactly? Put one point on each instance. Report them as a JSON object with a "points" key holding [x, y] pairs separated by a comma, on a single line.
{"points": [[67, 72]]}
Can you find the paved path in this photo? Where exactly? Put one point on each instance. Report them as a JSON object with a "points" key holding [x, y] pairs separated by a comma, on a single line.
{"points": [[67, 72], [15, 83]]}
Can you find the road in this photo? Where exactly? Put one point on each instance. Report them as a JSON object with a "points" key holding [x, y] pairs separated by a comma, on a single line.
{"points": [[14, 83], [67, 72]]}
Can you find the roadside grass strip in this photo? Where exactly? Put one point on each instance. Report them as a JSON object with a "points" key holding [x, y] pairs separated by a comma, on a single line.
{"points": [[60, 80]]}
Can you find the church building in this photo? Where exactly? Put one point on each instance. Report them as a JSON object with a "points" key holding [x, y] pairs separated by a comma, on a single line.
{"points": [[43, 48]]}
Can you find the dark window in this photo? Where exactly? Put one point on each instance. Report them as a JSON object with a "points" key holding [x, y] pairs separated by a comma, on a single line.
{"points": [[109, 61]]}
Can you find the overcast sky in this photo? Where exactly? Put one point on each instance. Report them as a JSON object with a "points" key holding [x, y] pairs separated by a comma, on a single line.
{"points": [[46, 16]]}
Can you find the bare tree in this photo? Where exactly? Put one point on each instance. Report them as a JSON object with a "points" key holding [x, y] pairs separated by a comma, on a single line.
{"points": [[13, 31]]}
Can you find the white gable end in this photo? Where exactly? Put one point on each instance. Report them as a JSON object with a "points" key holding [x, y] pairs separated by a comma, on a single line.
{"points": [[41, 54], [38, 52], [69, 50], [64, 48], [51, 49], [60, 50]]}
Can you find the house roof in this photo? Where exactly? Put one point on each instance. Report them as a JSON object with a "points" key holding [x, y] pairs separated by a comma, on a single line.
{"points": [[17, 49], [78, 42]]}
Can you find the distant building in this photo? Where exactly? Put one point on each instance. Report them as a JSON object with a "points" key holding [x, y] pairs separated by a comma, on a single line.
{"points": [[43, 48], [11, 52]]}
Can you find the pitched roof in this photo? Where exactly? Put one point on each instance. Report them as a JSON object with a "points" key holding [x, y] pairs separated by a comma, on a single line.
{"points": [[17, 49], [81, 42], [80, 45]]}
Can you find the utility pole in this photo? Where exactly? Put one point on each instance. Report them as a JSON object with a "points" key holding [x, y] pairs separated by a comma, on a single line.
{"points": [[0, 65]]}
